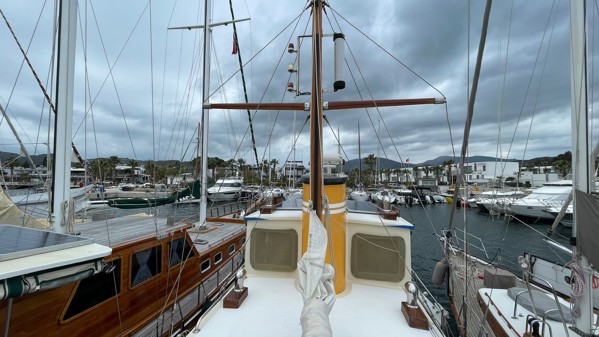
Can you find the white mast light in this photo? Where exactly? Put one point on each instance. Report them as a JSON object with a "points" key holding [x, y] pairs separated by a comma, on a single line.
{"points": [[339, 40]]}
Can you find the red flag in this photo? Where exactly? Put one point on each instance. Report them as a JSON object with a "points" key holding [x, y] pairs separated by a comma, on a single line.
{"points": [[407, 160], [235, 47]]}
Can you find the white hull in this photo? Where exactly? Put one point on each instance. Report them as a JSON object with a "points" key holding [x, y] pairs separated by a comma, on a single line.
{"points": [[550, 195], [226, 190], [532, 210], [36, 204], [358, 196], [224, 196]]}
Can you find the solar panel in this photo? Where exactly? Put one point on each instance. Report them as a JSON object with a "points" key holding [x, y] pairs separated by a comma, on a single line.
{"points": [[20, 242]]}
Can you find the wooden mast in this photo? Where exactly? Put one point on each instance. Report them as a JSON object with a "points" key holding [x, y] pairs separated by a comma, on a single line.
{"points": [[316, 107]]}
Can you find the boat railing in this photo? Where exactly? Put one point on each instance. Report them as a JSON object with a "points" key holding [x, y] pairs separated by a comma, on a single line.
{"points": [[234, 208], [225, 280], [527, 278], [433, 308], [479, 244]]}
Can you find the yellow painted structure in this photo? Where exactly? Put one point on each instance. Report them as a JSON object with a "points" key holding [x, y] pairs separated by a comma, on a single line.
{"points": [[334, 191]]}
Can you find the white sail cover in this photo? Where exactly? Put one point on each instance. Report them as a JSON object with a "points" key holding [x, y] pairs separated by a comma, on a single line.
{"points": [[316, 283], [10, 214]]}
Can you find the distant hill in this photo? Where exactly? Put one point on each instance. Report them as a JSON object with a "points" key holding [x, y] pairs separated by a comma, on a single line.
{"points": [[384, 163], [6, 156], [392, 164], [472, 159]]}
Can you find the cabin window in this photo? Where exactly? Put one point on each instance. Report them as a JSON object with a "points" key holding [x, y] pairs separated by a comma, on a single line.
{"points": [[205, 265], [179, 250], [379, 258], [231, 249], [218, 257], [145, 265], [94, 290], [274, 250], [242, 240]]}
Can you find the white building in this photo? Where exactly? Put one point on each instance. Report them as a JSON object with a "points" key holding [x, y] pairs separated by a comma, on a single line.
{"points": [[530, 179], [292, 170], [488, 172]]}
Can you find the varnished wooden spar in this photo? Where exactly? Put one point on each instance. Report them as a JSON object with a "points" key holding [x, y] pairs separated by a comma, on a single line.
{"points": [[327, 105]]}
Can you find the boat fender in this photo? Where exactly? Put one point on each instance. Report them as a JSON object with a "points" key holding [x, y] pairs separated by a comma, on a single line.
{"points": [[440, 272]]}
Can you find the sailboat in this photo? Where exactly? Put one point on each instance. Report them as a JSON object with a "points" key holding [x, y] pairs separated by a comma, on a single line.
{"points": [[359, 194], [324, 265], [548, 299], [191, 192], [126, 276]]}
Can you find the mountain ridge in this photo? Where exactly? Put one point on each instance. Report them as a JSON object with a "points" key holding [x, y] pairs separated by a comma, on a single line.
{"points": [[385, 163]]}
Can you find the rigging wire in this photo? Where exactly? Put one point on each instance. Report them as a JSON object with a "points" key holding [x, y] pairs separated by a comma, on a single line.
{"points": [[371, 95], [165, 56], [111, 74], [236, 42], [528, 88]]}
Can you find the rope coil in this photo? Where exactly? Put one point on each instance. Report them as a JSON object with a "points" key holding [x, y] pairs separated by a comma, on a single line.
{"points": [[576, 278]]}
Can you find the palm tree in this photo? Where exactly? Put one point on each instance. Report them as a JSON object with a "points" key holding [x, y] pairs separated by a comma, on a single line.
{"points": [[437, 171], [94, 166], [241, 163], [274, 164], [563, 167], [448, 164], [150, 168], [12, 163], [113, 162], [370, 161], [387, 173], [133, 163]]}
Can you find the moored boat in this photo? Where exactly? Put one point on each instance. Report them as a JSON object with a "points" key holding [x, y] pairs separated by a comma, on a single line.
{"points": [[548, 299], [226, 189], [335, 266], [532, 206], [133, 276]]}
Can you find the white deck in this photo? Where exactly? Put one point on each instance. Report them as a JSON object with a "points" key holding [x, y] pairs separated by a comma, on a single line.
{"points": [[273, 306], [505, 305]]}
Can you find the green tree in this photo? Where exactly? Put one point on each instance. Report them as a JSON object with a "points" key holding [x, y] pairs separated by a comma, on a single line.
{"points": [[387, 173], [241, 163], [273, 164], [133, 163], [415, 171], [370, 162], [437, 169], [113, 162], [448, 164], [150, 168], [563, 167], [12, 163]]}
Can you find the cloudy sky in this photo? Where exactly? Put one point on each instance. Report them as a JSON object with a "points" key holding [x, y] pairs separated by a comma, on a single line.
{"points": [[138, 85]]}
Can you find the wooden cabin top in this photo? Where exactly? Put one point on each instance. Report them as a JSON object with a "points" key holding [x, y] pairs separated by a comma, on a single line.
{"points": [[128, 229]]}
